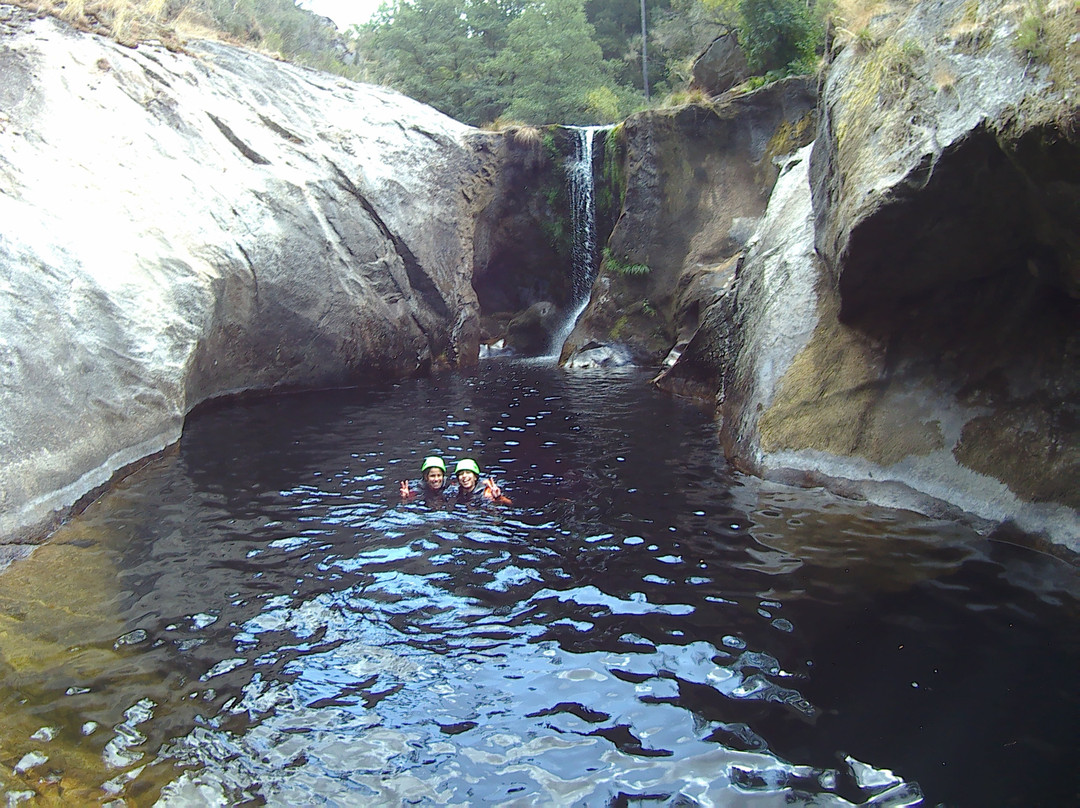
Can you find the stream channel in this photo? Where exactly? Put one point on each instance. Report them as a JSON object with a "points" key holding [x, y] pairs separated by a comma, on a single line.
{"points": [[255, 619]]}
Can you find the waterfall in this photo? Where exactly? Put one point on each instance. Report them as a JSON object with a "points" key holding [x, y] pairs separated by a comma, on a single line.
{"points": [[582, 187], [584, 257]]}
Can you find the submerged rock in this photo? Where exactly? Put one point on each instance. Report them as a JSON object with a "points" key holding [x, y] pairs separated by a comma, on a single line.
{"points": [[600, 356], [181, 226]]}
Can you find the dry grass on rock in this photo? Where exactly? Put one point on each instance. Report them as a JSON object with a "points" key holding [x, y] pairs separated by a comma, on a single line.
{"points": [[126, 21], [129, 22]]}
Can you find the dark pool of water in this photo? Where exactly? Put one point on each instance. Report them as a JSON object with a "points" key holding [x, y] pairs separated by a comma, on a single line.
{"points": [[255, 619]]}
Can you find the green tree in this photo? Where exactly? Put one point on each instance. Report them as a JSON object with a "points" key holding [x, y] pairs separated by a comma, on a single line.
{"points": [[617, 27], [550, 65], [544, 61], [776, 34], [435, 51]]}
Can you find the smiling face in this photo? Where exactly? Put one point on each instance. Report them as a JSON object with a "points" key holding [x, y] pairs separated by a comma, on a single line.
{"points": [[434, 478], [467, 480]]}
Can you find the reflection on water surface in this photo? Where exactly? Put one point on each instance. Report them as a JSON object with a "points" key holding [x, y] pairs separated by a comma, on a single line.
{"points": [[254, 619]]}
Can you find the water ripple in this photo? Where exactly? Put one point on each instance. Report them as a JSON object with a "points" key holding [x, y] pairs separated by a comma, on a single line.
{"points": [[256, 619]]}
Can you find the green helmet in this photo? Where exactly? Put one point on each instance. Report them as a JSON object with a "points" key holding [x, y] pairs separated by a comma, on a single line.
{"points": [[433, 463], [467, 465]]}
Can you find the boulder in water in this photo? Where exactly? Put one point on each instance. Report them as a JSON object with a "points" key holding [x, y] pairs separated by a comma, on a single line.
{"points": [[594, 355], [530, 333]]}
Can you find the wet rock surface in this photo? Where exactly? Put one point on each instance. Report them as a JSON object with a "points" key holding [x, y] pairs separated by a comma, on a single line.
{"points": [[530, 333], [955, 421], [947, 154], [522, 241]]}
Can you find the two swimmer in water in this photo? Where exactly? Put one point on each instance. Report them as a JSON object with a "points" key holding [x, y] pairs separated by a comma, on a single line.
{"points": [[432, 488]]}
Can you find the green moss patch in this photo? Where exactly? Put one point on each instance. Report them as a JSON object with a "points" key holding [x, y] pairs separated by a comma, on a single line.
{"points": [[881, 82], [791, 136]]}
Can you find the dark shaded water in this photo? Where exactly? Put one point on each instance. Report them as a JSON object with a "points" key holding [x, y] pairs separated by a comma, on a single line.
{"points": [[254, 619]]}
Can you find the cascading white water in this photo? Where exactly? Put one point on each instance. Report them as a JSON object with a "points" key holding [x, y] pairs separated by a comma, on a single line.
{"points": [[584, 253], [582, 187]]}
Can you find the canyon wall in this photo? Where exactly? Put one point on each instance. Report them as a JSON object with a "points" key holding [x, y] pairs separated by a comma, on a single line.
{"points": [[903, 325], [891, 311], [180, 226]]}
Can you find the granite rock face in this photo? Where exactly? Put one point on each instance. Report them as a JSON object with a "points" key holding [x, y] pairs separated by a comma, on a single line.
{"points": [[720, 66], [946, 155], [697, 179], [175, 227], [903, 326], [516, 262], [896, 419], [530, 332]]}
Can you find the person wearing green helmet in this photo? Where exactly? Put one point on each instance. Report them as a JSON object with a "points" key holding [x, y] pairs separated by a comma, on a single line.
{"points": [[431, 485], [469, 491]]}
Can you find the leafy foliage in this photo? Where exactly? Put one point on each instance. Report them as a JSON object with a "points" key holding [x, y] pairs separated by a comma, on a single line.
{"points": [[623, 267], [480, 60], [556, 224], [430, 51], [676, 36], [776, 34], [611, 189], [278, 26], [550, 65]]}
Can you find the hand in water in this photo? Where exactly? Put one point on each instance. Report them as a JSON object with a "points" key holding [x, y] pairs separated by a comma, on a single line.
{"points": [[405, 492], [494, 493]]}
